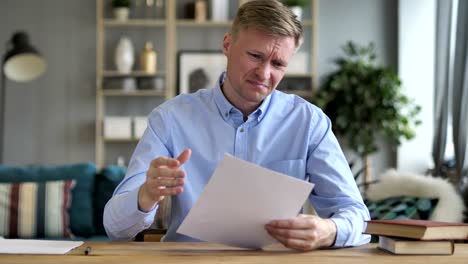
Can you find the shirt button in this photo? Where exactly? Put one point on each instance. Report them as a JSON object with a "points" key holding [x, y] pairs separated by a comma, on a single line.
{"points": [[241, 129]]}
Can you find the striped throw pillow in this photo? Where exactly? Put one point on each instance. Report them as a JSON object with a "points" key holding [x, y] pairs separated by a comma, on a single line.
{"points": [[35, 209]]}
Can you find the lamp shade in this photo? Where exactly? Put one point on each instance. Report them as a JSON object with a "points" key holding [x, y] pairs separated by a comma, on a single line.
{"points": [[22, 62]]}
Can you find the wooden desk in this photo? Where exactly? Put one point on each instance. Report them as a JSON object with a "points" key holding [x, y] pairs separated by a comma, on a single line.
{"points": [[154, 252]]}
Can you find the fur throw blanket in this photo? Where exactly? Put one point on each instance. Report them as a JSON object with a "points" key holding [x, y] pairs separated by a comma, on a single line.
{"points": [[449, 208]]}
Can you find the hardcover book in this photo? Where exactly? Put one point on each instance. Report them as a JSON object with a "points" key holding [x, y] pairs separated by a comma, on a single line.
{"points": [[405, 246], [418, 229]]}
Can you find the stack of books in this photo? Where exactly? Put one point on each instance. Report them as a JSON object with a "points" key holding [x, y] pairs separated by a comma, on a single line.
{"points": [[408, 236]]}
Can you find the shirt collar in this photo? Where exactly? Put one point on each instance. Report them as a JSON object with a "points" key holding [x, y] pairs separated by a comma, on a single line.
{"points": [[223, 104], [225, 107]]}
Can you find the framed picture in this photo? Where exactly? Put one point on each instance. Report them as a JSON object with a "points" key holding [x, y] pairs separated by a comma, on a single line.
{"points": [[199, 69]]}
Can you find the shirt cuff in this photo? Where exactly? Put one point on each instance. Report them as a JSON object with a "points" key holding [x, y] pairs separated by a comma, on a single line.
{"points": [[341, 232], [132, 203]]}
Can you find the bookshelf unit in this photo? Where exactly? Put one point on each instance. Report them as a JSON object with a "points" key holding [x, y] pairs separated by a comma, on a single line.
{"points": [[170, 33]]}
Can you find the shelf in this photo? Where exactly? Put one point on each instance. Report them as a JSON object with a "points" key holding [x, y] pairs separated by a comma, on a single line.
{"points": [[180, 22], [110, 74], [208, 23], [126, 140], [193, 23], [114, 92], [135, 23]]}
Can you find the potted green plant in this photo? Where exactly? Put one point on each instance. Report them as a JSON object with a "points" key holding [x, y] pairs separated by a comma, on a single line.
{"points": [[121, 9], [296, 6], [365, 100]]}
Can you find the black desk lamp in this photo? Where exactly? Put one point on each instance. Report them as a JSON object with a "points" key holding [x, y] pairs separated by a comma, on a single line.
{"points": [[21, 63]]}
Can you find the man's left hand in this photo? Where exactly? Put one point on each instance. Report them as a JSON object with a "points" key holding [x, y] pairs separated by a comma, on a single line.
{"points": [[305, 232]]}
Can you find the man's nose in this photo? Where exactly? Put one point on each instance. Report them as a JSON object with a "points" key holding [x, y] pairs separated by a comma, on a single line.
{"points": [[263, 71]]}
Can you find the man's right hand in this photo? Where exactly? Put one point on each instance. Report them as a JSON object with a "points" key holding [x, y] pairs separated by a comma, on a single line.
{"points": [[163, 178]]}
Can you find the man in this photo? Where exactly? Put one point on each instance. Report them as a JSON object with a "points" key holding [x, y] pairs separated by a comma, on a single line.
{"points": [[243, 115]]}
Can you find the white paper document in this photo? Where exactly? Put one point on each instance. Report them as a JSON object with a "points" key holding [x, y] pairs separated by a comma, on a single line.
{"points": [[32, 246], [239, 200]]}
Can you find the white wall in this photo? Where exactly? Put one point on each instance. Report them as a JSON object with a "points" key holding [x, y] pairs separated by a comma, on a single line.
{"points": [[416, 45], [51, 119]]}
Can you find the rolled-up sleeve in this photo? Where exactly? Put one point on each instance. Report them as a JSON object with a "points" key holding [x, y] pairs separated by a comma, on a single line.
{"points": [[335, 194], [123, 220]]}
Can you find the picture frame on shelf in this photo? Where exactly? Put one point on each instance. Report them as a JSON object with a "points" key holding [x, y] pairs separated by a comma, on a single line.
{"points": [[198, 69]]}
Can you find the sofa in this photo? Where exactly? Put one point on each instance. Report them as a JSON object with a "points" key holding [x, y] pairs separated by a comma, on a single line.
{"points": [[56, 202]]}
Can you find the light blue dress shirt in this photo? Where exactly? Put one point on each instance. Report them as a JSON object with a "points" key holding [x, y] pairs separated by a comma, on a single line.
{"points": [[286, 134]]}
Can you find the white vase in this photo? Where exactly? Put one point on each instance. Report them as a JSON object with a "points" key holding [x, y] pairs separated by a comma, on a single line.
{"points": [[121, 13], [297, 10], [219, 10], [124, 55]]}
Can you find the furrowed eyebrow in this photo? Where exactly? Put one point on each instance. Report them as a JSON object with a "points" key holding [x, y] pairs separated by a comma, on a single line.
{"points": [[279, 62]]}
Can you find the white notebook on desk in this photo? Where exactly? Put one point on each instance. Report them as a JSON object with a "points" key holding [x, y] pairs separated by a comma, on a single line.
{"points": [[32, 246]]}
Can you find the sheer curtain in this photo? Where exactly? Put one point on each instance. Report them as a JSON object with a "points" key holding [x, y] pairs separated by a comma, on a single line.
{"points": [[451, 79], [443, 59], [460, 91]]}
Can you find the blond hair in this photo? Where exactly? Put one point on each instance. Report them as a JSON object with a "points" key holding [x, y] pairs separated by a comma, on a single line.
{"points": [[269, 16]]}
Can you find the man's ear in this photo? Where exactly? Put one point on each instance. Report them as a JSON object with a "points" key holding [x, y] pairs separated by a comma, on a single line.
{"points": [[227, 40]]}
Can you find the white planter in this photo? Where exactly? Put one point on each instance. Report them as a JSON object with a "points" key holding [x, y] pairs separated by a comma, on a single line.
{"points": [[219, 10], [124, 55], [297, 10], [121, 13]]}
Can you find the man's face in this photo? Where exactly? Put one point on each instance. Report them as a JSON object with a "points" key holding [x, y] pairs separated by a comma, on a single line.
{"points": [[256, 63]]}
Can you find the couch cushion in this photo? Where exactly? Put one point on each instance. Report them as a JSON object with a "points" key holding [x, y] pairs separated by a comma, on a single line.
{"points": [[81, 209], [35, 209], [393, 183], [106, 182], [402, 207]]}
